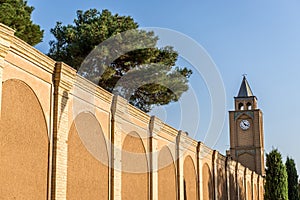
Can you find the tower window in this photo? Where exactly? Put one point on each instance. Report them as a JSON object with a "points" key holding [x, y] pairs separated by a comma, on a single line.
{"points": [[249, 106], [241, 106]]}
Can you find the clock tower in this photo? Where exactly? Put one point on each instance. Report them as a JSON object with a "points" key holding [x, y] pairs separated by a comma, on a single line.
{"points": [[246, 130]]}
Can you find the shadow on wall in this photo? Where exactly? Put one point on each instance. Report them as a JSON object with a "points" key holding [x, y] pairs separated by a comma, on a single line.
{"points": [[242, 194], [190, 179], [222, 193], [63, 103], [233, 191], [207, 184]]}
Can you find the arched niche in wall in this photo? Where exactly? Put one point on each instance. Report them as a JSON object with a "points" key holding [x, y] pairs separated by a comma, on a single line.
{"points": [[207, 184], [166, 175], [135, 181], [261, 192], [241, 188], [190, 179], [232, 185], [24, 143], [221, 179], [249, 191], [255, 195], [87, 174]]}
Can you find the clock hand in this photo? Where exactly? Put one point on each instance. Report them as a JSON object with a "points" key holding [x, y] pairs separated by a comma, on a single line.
{"points": [[246, 124]]}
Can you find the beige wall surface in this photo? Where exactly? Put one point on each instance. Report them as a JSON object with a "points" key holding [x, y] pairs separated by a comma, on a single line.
{"points": [[134, 168], [62, 137], [87, 176], [24, 144]]}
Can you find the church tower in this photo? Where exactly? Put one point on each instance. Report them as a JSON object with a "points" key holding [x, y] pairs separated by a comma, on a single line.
{"points": [[246, 130]]}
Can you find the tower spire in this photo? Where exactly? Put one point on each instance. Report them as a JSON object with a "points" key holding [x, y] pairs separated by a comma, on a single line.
{"points": [[245, 90]]}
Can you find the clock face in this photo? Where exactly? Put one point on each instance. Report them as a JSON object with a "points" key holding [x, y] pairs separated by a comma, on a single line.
{"points": [[245, 124]]}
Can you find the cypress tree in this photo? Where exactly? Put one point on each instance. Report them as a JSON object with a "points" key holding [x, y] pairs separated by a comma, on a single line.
{"points": [[276, 186], [292, 179], [299, 188]]}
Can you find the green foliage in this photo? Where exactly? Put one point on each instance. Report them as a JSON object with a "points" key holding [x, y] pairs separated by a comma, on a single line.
{"points": [[276, 186], [299, 187], [17, 15], [292, 179], [127, 61]]}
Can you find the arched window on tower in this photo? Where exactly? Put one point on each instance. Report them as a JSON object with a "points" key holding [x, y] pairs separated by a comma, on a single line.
{"points": [[241, 106], [249, 106]]}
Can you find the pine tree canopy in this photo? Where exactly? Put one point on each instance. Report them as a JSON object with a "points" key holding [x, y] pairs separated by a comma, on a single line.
{"points": [[17, 15], [112, 52]]}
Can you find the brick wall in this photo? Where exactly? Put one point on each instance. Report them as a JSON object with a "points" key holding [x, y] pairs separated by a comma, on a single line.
{"points": [[171, 157]]}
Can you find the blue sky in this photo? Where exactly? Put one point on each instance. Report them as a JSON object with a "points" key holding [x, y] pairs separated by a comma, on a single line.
{"points": [[259, 38]]}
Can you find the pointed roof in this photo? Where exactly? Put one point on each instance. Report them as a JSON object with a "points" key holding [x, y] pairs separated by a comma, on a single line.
{"points": [[245, 90]]}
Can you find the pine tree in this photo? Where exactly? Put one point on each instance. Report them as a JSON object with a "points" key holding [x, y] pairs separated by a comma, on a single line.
{"points": [[292, 179], [17, 15], [144, 74], [276, 186]]}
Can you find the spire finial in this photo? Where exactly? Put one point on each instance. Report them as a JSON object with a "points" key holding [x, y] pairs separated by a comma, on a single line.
{"points": [[245, 90]]}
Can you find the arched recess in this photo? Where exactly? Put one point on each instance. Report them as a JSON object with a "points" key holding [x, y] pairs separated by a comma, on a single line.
{"points": [[221, 179], [241, 106], [190, 178], [207, 184], [24, 143], [166, 175], [134, 168], [87, 176], [249, 106], [241, 189], [249, 191], [232, 185], [255, 196], [261, 192]]}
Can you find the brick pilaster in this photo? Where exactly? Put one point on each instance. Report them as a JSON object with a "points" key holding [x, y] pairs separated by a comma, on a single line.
{"points": [[119, 112], [215, 174], [227, 174], [180, 164], [199, 172], [154, 128], [64, 77]]}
